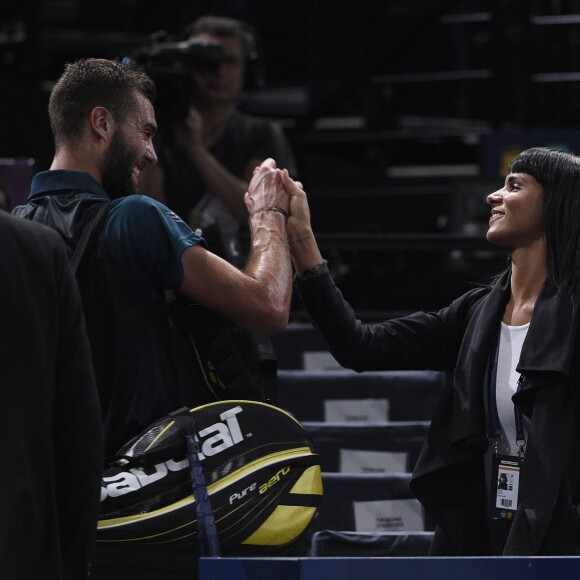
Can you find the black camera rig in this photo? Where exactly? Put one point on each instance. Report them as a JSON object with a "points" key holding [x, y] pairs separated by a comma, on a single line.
{"points": [[170, 64]]}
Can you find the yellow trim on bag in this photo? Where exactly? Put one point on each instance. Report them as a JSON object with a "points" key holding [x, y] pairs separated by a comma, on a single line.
{"points": [[283, 525], [310, 482], [279, 456]]}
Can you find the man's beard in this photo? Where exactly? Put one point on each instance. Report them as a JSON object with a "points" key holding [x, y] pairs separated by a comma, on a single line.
{"points": [[117, 168]]}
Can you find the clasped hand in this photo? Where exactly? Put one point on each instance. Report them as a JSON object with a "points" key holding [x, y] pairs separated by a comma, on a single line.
{"points": [[271, 186], [266, 189]]}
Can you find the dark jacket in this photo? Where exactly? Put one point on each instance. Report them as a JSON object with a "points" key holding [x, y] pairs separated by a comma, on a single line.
{"points": [[50, 425], [459, 339]]}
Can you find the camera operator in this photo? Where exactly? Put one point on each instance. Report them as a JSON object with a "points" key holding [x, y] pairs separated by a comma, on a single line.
{"points": [[206, 159]]}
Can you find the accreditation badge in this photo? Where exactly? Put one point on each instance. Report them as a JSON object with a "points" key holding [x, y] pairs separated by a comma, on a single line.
{"points": [[505, 482]]}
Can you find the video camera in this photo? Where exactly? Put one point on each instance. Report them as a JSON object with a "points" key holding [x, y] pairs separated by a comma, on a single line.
{"points": [[170, 64], [178, 56]]}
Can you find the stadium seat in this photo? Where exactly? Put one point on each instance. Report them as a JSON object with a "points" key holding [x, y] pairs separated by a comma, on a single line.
{"points": [[299, 346], [369, 503], [341, 395], [368, 447], [329, 543]]}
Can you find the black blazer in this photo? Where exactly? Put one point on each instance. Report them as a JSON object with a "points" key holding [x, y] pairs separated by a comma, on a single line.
{"points": [[459, 339], [50, 423]]}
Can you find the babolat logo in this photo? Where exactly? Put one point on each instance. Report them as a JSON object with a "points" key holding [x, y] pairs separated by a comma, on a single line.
{"points": [[134, 479], [223, 435], [213, 440]]}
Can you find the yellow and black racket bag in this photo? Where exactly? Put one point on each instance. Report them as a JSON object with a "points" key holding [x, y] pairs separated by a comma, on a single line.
{"points": [[262, 475]]}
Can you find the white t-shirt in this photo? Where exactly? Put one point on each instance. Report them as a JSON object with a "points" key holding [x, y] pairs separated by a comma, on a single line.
{"points": [[510, 347]]}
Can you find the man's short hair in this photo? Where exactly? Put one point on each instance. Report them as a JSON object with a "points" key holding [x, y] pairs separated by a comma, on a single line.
{"points": [[89, 83]]}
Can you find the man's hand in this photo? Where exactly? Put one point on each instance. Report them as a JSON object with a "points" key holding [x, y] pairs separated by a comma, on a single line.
{"points": [[266, 189], [189, 135], [257, 297]]}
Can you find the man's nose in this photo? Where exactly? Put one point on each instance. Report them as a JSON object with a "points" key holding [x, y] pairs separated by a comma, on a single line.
{"points": [[150, 154]]}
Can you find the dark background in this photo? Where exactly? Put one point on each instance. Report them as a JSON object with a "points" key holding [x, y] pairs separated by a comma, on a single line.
{"points": [[403, 114]]}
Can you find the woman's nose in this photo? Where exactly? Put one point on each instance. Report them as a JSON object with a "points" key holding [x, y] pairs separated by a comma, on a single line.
{"points": [[494, 198]]}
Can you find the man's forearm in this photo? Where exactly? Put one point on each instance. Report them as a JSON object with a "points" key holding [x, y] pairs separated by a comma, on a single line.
{"points": [[269, 260]]}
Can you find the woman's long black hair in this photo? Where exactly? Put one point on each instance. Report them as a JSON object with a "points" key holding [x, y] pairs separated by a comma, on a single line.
{"points": [[558, 172]]}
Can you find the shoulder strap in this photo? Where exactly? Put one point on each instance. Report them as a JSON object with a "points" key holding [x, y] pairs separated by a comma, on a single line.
{"points": [[89, 235], [222, 355]]}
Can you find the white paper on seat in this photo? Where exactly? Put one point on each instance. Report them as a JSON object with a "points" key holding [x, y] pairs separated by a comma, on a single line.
{"points": [[396, 515], [319, 360], [363, 461], [351, 410]]}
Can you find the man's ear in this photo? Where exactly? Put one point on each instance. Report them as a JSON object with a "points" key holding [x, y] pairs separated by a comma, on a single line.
{"points": [[101, 123]]}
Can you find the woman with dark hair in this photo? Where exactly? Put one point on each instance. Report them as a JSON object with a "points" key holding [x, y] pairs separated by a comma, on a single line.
{"points": [[514, 355], [558, 173]]}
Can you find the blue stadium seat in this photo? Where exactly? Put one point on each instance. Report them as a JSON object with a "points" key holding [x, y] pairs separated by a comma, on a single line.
{"points": [[411, 395], [294, 341], [330, 543], [339, 444], [346, 493]]}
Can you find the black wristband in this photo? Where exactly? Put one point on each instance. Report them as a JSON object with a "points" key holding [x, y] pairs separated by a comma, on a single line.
{"points": [[314, 272]]}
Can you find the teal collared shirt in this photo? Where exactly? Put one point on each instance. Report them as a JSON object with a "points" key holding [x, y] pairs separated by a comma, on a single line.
{"points": [[62, 180], [142, 235]]}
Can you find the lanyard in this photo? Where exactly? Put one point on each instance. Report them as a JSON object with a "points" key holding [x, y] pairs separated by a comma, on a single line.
{"points": [[494, 425]]}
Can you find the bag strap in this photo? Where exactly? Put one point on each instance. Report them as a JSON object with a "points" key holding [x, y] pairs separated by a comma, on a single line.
{"points": [[206, 528], [216, 355], [88, 236]]}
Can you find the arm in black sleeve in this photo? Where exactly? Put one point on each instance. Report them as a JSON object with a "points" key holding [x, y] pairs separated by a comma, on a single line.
{"points": [[419, 341]]}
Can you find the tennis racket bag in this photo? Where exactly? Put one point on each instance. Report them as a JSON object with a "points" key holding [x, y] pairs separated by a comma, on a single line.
{"points": [[262, 474]]}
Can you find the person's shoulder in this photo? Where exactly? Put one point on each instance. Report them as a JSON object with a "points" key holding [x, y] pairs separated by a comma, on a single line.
{"points": [[250, 121], [476, 294], [139, 207], [137, 215], [465, 306], [37, 244], [472, 297], [15, 227], [134, 202]]}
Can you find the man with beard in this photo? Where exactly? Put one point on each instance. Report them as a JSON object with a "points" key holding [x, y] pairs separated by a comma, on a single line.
{"points": [[103, 122]]}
